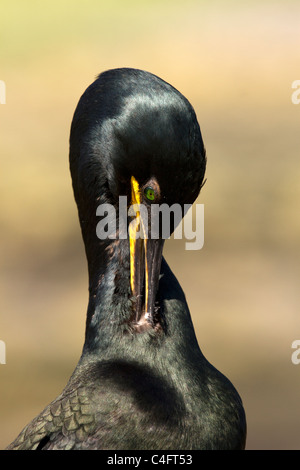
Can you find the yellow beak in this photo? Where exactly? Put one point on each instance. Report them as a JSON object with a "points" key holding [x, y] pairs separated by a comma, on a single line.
{"points": [[145, 258]]}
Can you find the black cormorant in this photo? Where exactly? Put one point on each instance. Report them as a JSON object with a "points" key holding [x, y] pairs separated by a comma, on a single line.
{"points": [[142, 381]]}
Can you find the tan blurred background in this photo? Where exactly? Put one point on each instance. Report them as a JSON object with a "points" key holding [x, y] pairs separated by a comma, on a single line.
{"points": [[235, 61]]}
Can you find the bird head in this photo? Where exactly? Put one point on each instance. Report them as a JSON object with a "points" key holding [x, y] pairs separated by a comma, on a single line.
{"points": [[135, 135]]}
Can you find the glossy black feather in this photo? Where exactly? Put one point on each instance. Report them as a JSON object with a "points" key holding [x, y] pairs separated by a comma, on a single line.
{"points": [[136, 390]]}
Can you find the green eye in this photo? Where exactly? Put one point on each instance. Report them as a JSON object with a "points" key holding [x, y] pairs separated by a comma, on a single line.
{"points": [[149, 193]]}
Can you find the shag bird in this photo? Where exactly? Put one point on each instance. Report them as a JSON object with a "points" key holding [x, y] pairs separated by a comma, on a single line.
{"points": [[142, 381]]}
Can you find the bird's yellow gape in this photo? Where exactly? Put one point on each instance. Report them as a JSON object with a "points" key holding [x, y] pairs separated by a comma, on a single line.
{"points": [[137, 254], [134, 228], [145, 259]]}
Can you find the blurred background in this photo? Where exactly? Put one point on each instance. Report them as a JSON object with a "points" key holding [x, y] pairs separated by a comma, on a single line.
{"points": [[235, 61]]}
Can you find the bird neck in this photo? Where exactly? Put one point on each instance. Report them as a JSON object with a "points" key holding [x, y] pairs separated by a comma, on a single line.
{"points": [[109, 331], [110, 306]]}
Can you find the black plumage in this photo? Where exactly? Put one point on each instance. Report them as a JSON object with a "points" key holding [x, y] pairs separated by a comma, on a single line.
{"points": [[142, 381]]}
